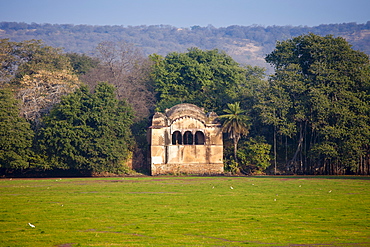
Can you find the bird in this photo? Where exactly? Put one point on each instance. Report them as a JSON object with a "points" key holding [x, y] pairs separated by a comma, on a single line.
{"points": [[231, 187], [329, 191], [31, 225]]}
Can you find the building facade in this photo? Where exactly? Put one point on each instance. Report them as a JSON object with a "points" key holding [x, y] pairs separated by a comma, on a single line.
{"points": [[186, 140]]}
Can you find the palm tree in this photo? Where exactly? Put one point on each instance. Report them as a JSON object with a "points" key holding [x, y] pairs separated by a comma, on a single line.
{"points": [[236, 124]]}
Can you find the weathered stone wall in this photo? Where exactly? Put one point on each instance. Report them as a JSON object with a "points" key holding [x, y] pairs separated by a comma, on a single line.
{"points": [[186, 140], [191, 169]]}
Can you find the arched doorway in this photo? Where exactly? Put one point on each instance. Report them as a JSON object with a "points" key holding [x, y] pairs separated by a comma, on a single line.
{"points": [[188, 138], [199, 138], [176, 138]]}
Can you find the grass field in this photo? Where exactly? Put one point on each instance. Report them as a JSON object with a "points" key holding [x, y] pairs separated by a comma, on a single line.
{"points": [[186, 211]]}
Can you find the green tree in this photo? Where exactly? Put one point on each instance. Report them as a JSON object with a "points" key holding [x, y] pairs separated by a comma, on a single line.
{"points": [[208, 79], [89, 132], [124, 66], [319, 99], [255, 155], [235, 124], [15, 134]]}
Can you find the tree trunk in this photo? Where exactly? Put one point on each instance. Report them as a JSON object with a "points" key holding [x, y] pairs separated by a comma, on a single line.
{"points": [[236, 140], [292, 162], [275, 148]]}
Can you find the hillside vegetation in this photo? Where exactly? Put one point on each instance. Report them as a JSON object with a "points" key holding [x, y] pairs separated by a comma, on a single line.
{"points": [[245, 44]]}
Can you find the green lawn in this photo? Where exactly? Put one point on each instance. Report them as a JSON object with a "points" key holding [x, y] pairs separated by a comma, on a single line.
{"points": [[186, 211]]}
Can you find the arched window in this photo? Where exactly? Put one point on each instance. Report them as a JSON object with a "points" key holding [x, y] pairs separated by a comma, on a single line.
{"points": [[176, 138], [188, 138], [199, 138]]}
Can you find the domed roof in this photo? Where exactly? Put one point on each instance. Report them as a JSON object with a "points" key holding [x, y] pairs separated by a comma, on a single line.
{"points": [[185, 109]]}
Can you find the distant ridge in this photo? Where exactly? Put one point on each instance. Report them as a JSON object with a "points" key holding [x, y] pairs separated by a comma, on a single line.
{"points": [[246, 44]]}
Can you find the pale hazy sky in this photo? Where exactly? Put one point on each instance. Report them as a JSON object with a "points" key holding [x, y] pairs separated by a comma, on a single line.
{"points": [[186, 13]]}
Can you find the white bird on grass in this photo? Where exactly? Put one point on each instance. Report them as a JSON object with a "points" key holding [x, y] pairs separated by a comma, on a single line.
{"points": [[231, 187], [31, 225]]}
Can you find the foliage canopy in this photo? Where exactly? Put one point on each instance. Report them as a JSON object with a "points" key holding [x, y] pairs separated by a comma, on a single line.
{"points": [[15, 134], [209, 79], [88, 132]]}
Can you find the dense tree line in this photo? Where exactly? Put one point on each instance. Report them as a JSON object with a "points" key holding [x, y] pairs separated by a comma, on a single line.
{"points": [[88, 114], [318, 101]]}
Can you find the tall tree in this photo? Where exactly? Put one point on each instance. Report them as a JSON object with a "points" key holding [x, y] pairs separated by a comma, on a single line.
{"points": [[235, 124], [89, 132], [123, 65], [319, 99]]}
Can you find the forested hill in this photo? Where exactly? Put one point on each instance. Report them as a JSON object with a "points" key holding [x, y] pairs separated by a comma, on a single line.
{"points": [[246, 44]]}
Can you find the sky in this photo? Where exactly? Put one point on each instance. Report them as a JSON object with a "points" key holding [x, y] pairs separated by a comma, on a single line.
{"points": [[186, 13]]}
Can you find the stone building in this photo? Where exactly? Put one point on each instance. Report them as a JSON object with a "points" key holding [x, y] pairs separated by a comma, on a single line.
{"points": [[186, 140]]}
